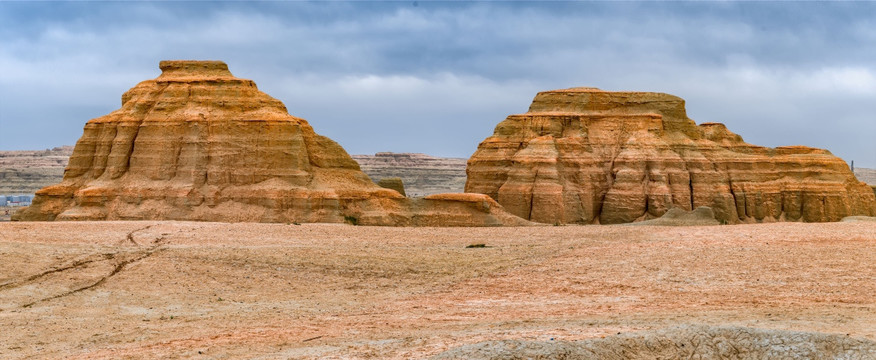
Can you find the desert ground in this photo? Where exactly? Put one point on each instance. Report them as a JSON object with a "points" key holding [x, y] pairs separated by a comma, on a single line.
{"points": [[114, 290]]}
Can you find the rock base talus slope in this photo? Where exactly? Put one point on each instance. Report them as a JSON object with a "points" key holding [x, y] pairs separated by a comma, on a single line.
{"points": [[197, 143], [586, 156]]}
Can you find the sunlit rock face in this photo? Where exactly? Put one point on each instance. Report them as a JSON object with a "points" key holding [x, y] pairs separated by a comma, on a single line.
{"points": [[197, 143], [587, 156]]}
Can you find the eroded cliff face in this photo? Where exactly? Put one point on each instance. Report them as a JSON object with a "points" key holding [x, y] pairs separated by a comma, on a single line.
{"points": [[197, 143], [586, 156]]}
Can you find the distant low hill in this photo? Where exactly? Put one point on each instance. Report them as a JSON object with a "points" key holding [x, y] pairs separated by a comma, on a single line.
{"points": [[26, 171], [866, 175]]}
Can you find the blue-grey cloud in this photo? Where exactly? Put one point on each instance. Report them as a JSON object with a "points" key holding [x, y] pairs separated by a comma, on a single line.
{"points": [[438, 76]]}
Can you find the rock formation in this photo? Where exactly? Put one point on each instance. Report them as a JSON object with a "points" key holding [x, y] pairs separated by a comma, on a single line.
{"points": [[701, 216], [394, 183], [197, 143], [586, 156]]}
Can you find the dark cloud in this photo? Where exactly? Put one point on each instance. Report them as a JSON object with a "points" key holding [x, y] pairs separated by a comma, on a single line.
{"points": [[438, 76]]}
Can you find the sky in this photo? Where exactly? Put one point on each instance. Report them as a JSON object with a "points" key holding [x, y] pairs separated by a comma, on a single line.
{"points": [[436, 77]]}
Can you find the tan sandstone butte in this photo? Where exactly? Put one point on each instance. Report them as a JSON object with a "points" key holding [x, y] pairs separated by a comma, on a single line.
{"points": [[589, 156], [197, 143]]}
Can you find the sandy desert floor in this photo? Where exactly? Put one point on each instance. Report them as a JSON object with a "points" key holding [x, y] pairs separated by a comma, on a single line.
{"points": [[109, 290]]}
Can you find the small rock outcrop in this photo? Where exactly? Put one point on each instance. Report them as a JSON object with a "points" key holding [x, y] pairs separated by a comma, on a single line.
{"points": [[589, 156], [701, 216], [197, 143], [393, 183]]}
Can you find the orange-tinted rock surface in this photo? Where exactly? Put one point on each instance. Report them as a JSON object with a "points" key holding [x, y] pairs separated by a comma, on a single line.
{"points": [[197, 143], [584, 155]]}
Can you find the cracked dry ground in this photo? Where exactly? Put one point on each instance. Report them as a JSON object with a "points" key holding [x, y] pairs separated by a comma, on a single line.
{"points": [[109, 290]]}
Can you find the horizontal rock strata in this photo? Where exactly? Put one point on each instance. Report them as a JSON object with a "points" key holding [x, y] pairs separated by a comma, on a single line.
{"points": [[866, 175], [26, 171], [422, 174], [586, 156], [197, 143]]}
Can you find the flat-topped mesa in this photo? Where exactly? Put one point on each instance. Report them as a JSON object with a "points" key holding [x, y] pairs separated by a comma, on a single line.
{"points": [[590, 100], [585, 155], [193, 68], [197, 143], [594, 101]]}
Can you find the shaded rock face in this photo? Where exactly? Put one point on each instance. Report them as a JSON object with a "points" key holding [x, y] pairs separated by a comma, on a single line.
{"points": [[584, 155], [394, 183], [197, 143], [683, 342]]}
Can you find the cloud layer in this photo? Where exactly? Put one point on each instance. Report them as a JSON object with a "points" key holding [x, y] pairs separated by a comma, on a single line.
{"points": [[437, 77]]}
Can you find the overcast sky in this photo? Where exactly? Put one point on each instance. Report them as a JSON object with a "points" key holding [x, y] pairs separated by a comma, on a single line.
{"points": [[436, 77]]}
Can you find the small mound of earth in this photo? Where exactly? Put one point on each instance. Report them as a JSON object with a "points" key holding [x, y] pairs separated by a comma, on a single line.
{"points": [[683, 342], [859, 219], [701, 216]]}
